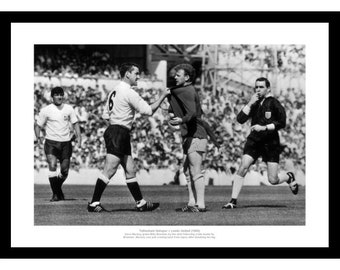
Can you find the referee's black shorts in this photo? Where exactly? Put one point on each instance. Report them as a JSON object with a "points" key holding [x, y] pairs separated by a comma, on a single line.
{"points": [[117, 140], [270, 151], [61, 150]]}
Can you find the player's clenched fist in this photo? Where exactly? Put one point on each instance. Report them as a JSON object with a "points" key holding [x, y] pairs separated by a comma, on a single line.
{"points": [[164, 92]]}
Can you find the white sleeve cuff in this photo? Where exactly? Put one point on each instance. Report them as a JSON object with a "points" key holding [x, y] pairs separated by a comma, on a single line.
{"points": [[246, 109], [270, 126]]}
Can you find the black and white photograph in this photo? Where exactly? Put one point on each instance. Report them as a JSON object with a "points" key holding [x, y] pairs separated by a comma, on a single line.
{"points": [[179, 145], [169, 137]]}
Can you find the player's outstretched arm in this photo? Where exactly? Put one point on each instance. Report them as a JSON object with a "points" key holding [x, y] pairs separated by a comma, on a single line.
{"points": [[163, 94]]}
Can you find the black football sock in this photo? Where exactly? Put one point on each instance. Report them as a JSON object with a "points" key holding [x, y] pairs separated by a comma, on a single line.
{"points": [[54, 184], [98, 190], [60, 181], [135, 191]]}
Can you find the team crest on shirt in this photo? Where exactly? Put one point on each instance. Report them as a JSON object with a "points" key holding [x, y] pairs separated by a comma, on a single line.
{"points": [[268, 115], [66, 117]]}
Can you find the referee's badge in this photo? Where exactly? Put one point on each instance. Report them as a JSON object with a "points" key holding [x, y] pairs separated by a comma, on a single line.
{"points": [[268, 115]]}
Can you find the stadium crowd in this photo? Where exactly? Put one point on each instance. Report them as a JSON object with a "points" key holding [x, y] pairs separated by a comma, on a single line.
{"points": [[290, 58], [155, 144]]}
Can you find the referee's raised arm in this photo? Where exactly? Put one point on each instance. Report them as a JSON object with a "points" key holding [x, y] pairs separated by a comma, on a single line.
{"points": [[245, 113]]}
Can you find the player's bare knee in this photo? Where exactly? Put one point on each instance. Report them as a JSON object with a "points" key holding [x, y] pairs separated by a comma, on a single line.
{"points": [[274, 180], [102, 176], [110, 171], [194, 171], [64, 173], [242, 171], [130, 174], [131, 170], [52, 167], [110, 174], [197, 176]]}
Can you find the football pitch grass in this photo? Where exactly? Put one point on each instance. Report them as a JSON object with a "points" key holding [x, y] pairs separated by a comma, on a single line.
{"points": [[257, 205]]}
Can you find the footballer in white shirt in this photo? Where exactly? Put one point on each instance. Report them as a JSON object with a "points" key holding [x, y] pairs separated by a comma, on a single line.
{"points": [[122, 104], [55, 119]]}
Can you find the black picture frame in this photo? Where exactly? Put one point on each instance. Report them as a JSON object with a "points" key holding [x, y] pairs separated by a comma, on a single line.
{"points": [[7, 252]]}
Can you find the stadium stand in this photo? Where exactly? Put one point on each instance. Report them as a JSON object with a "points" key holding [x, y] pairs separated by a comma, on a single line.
{"points": [[88, 78]]}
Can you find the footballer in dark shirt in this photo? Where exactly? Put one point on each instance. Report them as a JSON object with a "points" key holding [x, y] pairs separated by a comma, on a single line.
{"points": [[186, 108]]}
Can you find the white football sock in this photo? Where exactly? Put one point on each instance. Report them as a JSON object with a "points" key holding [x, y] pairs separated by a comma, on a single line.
{"points": [[191, 188], [237, 186], [200, 190]]}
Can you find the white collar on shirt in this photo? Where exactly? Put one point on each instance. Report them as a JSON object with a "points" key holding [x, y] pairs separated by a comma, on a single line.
{"points": [[126, 84], [266, 96]]}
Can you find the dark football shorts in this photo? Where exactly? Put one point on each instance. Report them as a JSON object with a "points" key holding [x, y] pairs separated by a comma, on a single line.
{"points": [[270, 151], [61, 150], [117, 140]]}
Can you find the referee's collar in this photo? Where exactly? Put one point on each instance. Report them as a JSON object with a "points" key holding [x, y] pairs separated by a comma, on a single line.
{"points": [[266, 96]]}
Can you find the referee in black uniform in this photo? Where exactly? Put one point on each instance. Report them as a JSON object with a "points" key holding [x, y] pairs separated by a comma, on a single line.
{"points": [[267, 117]]}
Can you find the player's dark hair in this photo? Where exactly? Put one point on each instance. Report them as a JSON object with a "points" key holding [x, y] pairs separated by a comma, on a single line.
{"points": [[127, 67], [57, 90], [188, 70], [263, 79]]}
